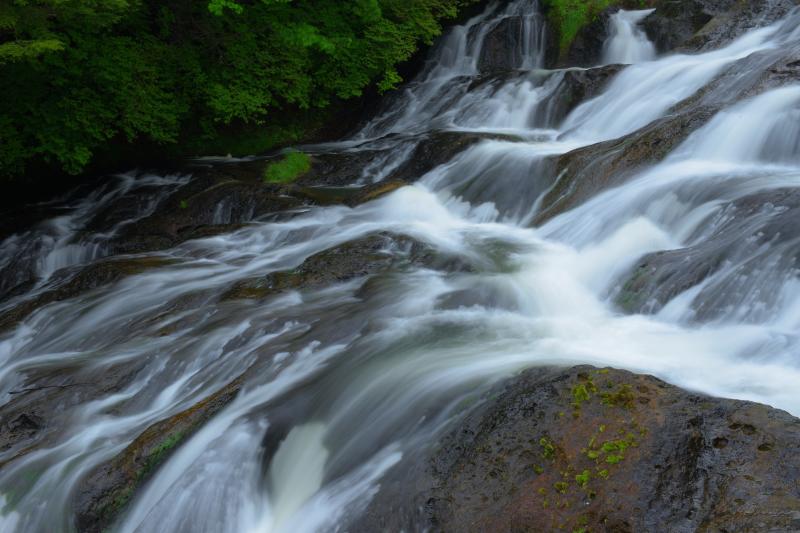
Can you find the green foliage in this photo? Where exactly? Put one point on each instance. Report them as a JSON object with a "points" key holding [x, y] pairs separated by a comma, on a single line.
{"points": [[583, 478], [548, 448], [582, 393], [569, 16], [292, 166], [85, 77], [622, 397]]}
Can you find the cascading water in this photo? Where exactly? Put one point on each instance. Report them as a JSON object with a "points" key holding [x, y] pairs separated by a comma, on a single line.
{"points": [[627, 43], [346, 381], [459, 58]]}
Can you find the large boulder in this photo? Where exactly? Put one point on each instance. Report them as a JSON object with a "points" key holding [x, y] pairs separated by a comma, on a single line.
{"points": [[587, 449]]}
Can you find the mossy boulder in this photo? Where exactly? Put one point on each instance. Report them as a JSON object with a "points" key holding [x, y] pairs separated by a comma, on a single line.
{"points": [[590, 449]]}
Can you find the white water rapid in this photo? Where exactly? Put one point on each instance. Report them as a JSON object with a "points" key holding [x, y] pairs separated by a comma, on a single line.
{"points": [[347, 380], [627, 43]]}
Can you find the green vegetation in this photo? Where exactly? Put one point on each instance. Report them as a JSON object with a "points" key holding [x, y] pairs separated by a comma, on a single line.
{"points": [[614, 451], [548, 449], [568, 17], [583, 478], [292, 166], [159, 453], [621, 397], [90, 79], [582, 393]]}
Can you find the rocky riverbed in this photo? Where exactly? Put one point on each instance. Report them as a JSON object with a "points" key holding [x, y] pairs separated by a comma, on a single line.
{"points": [[385, 343]]}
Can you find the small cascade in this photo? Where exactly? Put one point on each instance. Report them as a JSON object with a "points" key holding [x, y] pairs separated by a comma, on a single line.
{"points": [[627, 43], [644, 92], [68, 239], [763, 130], [462, 55]]}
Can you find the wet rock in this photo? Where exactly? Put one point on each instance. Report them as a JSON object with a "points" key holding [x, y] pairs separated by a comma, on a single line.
{"points": [[575, 87], [221, 197], [585, 172], [213, 201], [748, 77], [586, 49], [502, 45], [439, 147], [109, 488], [23, 427], [585, 449], [33, 415], [701, 25], [358, 258], [68, 283], [337, 169], [675, 22], [735, 239], [732, 23]]}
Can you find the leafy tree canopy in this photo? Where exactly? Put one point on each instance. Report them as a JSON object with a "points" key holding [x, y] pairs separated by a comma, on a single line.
{"points": [[82, 76]]}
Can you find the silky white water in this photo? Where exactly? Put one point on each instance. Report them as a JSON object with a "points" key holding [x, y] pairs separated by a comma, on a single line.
{"points": [[627, 43], [356, 376]]}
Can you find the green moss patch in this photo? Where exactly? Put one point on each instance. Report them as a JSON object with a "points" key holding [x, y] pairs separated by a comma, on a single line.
{"points": [[289, 168], [548, 449]]}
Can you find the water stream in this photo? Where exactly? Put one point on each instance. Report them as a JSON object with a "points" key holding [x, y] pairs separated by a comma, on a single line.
{"points": [[627, 43], [374, 369]]}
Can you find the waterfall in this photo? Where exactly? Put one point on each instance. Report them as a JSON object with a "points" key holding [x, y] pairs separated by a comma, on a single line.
{"points": [[340, 382], [626, 42], [460, 57], [765, 130]]}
